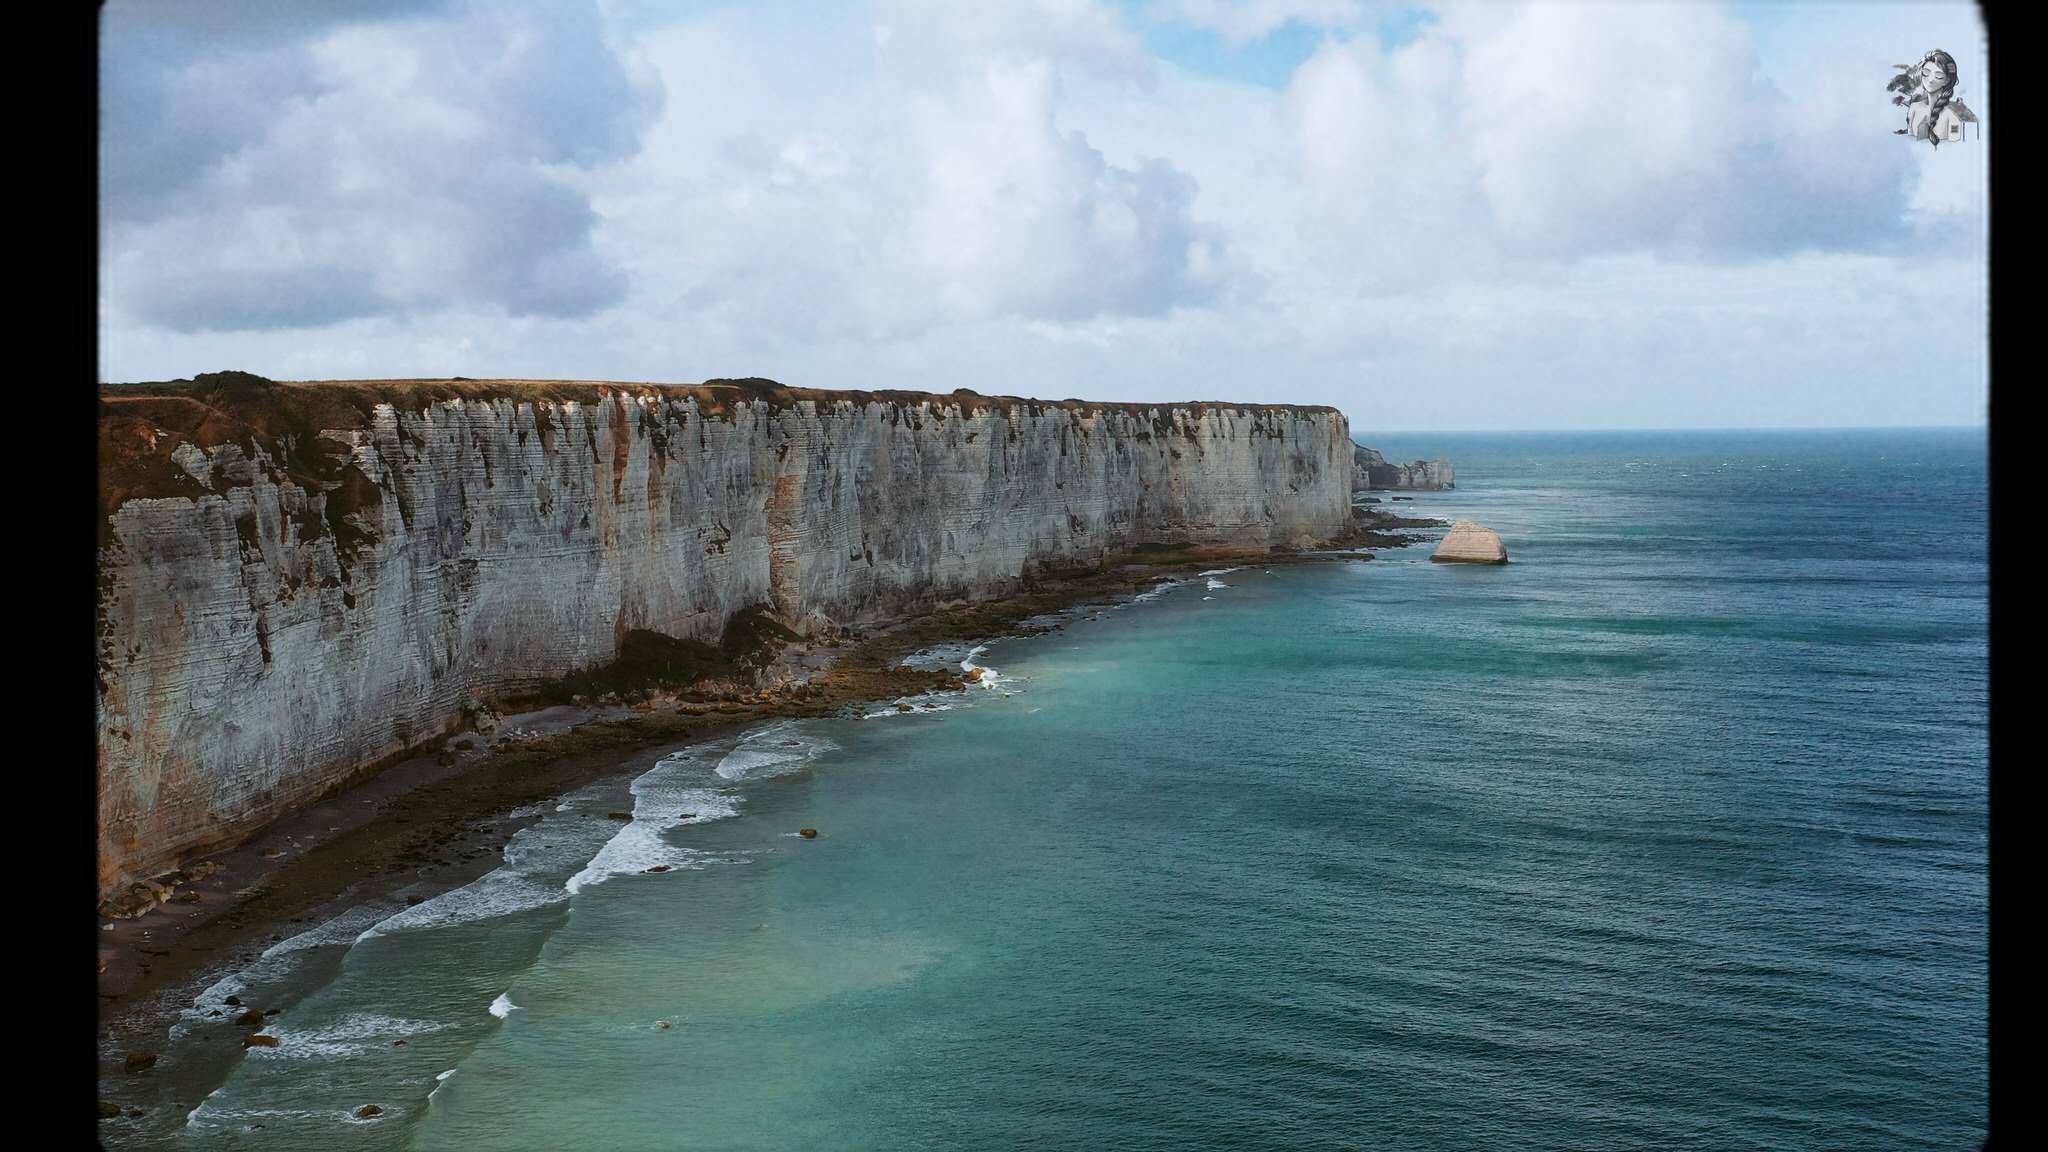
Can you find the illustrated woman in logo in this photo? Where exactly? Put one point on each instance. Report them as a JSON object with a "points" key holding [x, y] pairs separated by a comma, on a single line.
{"points": [[1927, 90]]}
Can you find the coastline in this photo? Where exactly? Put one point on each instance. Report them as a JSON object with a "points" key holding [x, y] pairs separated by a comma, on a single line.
{"points": [[421, 828]]}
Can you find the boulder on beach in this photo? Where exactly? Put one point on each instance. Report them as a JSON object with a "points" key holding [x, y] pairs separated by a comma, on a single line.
{"points": [[259, 1040], [480, 716], [249, 1018], [808, 833], [141, 896], [1468, 543], [138, 1061], [367, 1111]]}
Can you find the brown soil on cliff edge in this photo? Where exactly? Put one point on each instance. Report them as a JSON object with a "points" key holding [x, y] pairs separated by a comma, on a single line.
{"points": [[141, 425], [424, 827]]}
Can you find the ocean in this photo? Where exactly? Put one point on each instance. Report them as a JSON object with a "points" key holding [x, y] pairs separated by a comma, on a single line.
{"points": [[1671, 833]]}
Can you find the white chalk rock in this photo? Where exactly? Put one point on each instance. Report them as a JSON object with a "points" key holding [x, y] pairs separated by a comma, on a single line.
{"points": [[1468, 543]]}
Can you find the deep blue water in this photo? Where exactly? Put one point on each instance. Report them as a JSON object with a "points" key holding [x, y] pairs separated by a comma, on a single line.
{"points": [[1672, 833]]}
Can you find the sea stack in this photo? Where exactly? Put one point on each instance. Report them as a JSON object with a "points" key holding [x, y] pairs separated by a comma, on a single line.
{"points": [[1468, 543]]}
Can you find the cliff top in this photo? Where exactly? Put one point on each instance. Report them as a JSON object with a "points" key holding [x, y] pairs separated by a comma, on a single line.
{"points": [[243, 390], [142, 425]]}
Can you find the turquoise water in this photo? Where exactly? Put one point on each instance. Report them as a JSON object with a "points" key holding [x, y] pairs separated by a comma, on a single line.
{"points": [[1669, 834]]}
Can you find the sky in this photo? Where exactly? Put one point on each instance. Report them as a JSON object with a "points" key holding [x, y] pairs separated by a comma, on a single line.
{"points": [[1441, 216]]}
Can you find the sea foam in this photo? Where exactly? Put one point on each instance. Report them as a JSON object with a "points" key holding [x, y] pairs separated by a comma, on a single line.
{"points": [[691, 787], [356, 1034]]}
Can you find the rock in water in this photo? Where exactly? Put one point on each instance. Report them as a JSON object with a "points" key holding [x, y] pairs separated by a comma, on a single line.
{"points": [[1468, 543]]}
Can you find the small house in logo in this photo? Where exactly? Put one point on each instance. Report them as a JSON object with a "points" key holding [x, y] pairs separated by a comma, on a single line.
{"points": [[1927, 91]]}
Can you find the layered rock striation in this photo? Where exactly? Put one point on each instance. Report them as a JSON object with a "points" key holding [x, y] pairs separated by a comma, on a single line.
{"points": [[300, 581]]}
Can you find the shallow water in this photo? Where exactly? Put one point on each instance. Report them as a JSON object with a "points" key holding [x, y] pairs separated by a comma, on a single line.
{"points": [[1670, 833]]}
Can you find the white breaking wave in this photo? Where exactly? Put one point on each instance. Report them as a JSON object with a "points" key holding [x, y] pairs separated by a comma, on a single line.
{"points": [[273, 968], [989, 676], [916, 705], [500, 892], [343, 929], [353, 1035], [212, 1115], [503, 1006], [679, 790], [771, 751], [537, 861]]}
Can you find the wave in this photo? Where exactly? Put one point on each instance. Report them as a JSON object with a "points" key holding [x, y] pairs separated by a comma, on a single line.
{"points": [[356, 1034], [537, 859], [694, 786]]}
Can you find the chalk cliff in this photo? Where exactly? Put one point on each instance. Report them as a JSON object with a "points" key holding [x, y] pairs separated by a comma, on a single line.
{"points": [[300, 580], [1371, 472]]}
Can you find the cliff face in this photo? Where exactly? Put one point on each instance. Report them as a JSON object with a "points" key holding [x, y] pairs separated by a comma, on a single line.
{"points": [[1370, 471], [300, 580]]}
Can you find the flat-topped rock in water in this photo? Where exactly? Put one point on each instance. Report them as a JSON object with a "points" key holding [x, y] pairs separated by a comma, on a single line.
{"points": [[1468, 543]]}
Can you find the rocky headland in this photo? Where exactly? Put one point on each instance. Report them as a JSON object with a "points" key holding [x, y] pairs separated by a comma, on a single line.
{"points": [[348, 630], [302, 584], [1372, 473]]}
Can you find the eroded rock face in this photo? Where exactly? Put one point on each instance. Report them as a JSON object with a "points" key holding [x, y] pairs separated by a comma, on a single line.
{"points": [[1468, 543], [280, 610], [1371, 472]]}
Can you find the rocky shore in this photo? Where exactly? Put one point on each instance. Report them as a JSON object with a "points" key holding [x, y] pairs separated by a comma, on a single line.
{"points": [[437, 821]]}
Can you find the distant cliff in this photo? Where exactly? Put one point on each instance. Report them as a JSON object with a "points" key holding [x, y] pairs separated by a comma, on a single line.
{"points": [[299, 580], [1370, 471]]}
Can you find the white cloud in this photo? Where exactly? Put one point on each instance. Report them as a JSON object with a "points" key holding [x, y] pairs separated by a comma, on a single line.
{"points": [[937, 35], [1014, 216], [1548, 132], [311, 172], [1507, 215], [931, 181], [1242, 22]]}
